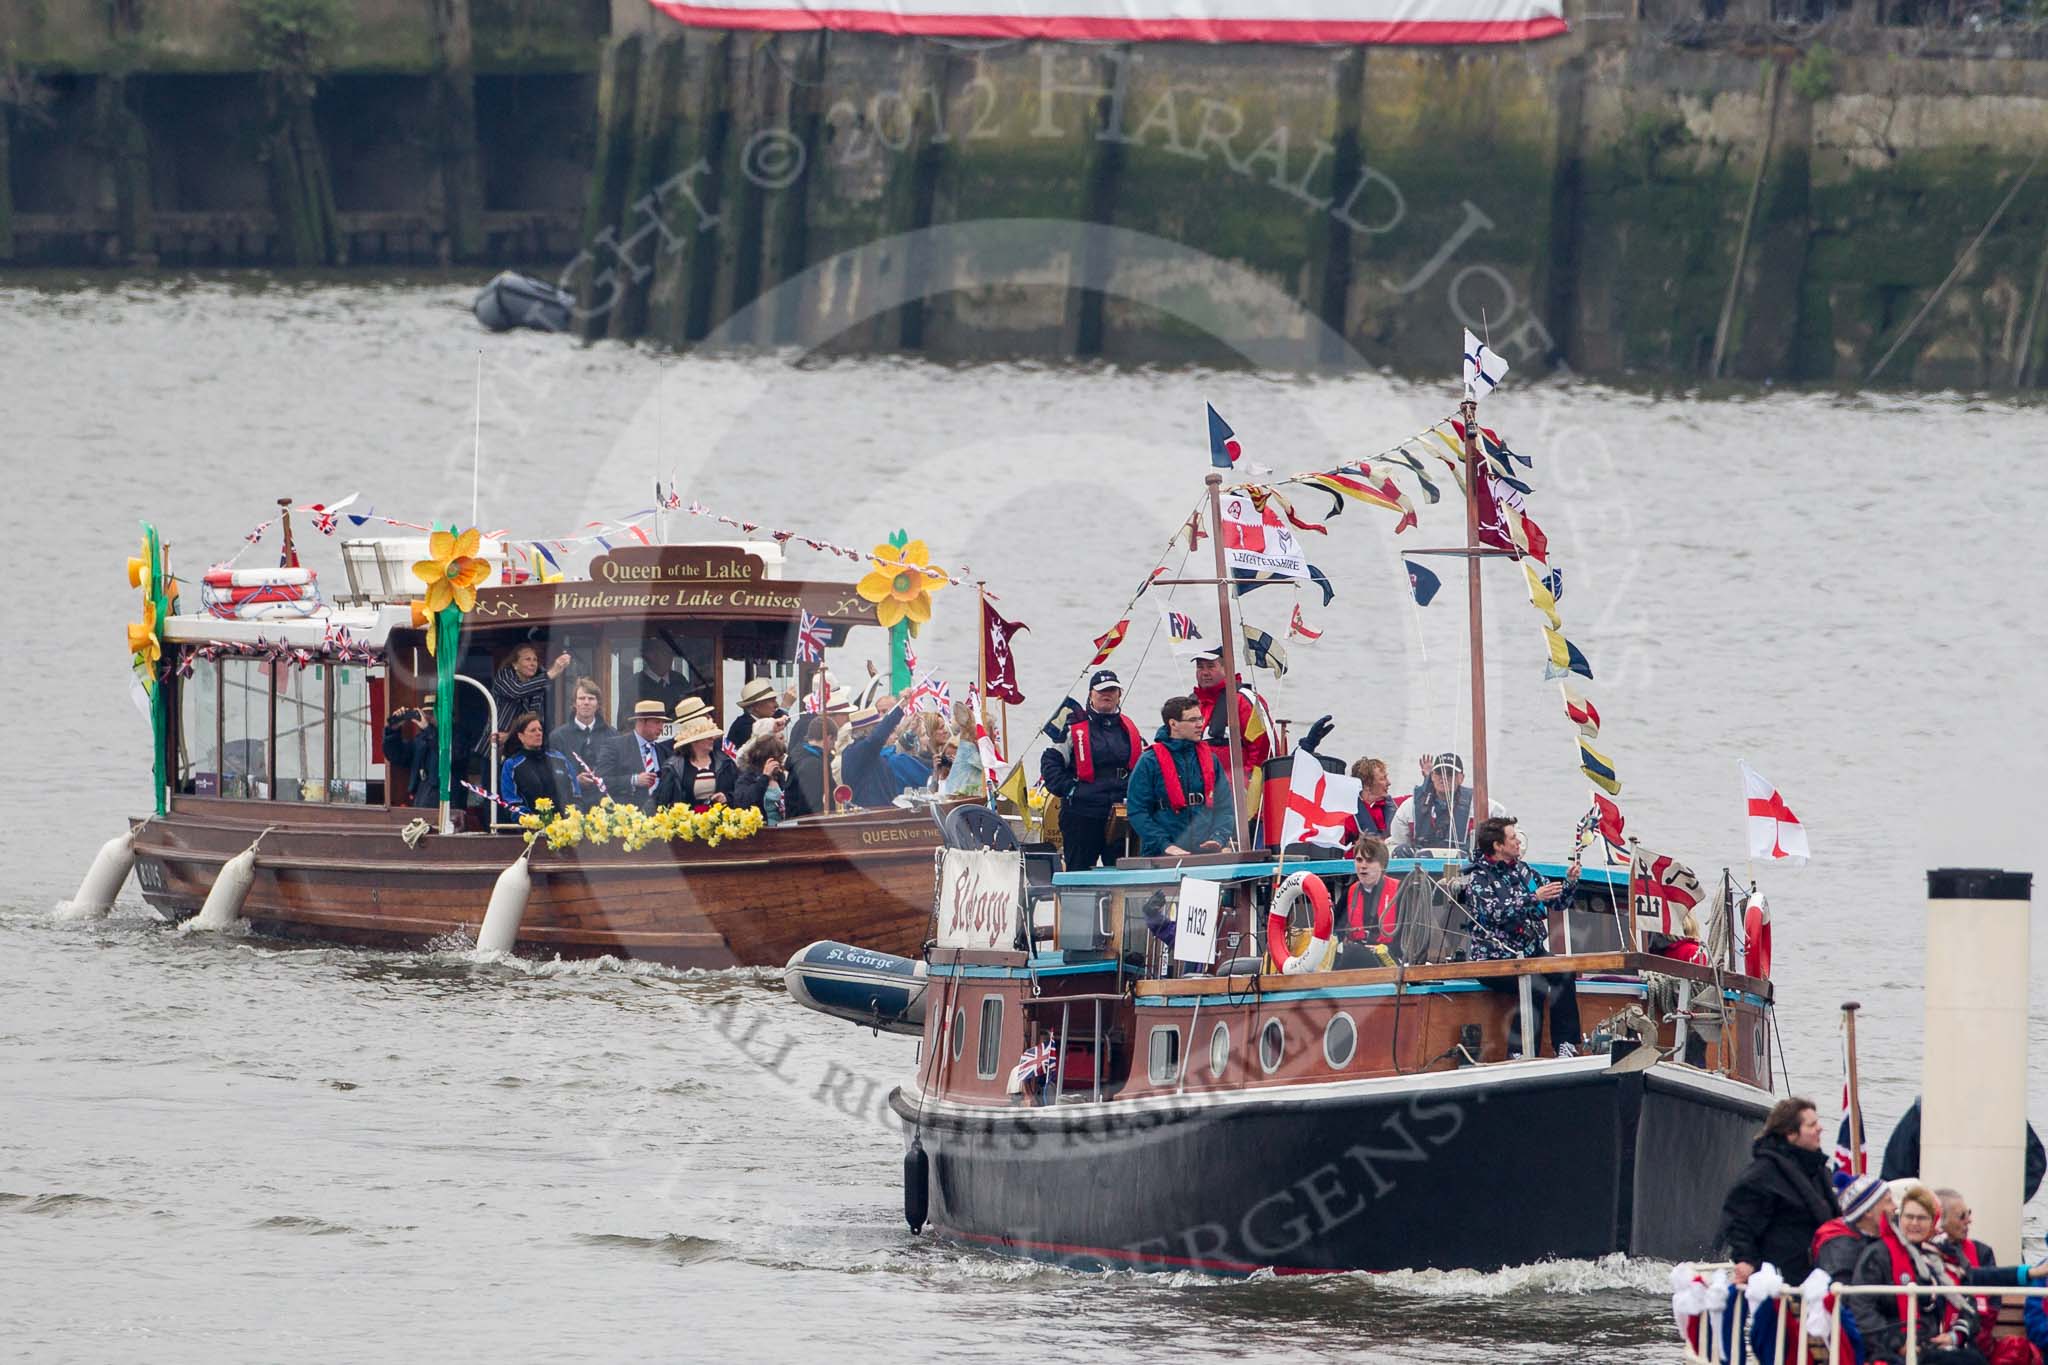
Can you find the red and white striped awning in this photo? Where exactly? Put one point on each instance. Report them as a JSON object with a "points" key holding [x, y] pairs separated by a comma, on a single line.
{"points": [[1423, 22]]}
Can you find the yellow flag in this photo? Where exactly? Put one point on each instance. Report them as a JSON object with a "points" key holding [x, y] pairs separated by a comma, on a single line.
{"points": [[1016, 789], [1544, 601]]}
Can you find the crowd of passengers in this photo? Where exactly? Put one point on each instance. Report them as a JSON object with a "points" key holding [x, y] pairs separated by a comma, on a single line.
{"points": [[670, 747], [1174, 794], [1795, 1209]]}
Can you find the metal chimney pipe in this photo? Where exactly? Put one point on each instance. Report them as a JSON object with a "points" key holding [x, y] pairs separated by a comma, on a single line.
{"points": [[1973, 1086]]}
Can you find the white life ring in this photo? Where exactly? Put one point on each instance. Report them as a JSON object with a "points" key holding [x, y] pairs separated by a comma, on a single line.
{"points": [[1321, 949]]}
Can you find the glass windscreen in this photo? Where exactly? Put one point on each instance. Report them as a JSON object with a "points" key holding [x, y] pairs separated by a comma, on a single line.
{"points": [[199, 730]]}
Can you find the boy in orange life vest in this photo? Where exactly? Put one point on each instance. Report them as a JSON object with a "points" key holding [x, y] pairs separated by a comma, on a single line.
{"points": [[1369, 906], [1179, 796], [1088, 770]]}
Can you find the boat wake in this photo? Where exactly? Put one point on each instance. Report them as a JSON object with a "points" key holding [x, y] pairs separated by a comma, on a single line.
{"points": [[675, 1248], [1608, 1274]]}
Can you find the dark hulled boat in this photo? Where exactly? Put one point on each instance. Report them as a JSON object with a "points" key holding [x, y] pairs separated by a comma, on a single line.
{"points": [[1328, 1121]]}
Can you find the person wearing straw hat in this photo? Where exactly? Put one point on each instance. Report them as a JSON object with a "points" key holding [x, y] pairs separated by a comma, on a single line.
{"points": [[697, 775], [637, 757], [757, 702]]}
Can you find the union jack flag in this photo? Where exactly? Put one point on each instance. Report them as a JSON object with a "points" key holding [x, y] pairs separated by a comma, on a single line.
{"points": [[1036, 1063], [932, 694], [726, 747], [810, 638], [1181, 626]]}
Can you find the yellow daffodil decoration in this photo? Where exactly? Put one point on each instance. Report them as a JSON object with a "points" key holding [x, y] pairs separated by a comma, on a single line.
{"points": [[148, 572], [451, 575], [901, 583]]}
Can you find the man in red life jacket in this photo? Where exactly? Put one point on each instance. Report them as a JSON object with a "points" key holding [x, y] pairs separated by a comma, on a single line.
{"points": [[1089, 769], [1369, 905], [1251, 724], [1179, 795]]}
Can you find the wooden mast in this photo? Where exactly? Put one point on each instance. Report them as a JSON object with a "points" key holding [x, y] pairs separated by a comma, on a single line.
{"points": [[1849, 1008], [1475, 469], [1229, 698]]}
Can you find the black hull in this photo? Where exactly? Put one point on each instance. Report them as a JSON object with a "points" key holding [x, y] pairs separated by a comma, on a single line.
{"points": [[1477, 1169]]}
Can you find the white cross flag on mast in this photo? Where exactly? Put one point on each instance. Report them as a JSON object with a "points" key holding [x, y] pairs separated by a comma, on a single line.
{"points": [[1483, 368]]}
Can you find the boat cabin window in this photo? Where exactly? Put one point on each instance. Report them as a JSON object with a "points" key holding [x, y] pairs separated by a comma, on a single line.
{"points": [[199, 730], [1085, 922], [245, 729], [1219, 1050], [301, 734], [1163, 1056], [1272, 1045], [1340, 1041], [356, 778], [988, 1044], [959, 1032]]}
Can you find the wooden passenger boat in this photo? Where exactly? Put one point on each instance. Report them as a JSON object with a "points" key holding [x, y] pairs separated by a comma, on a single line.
{"points": [[1362, 1119], [274, 741]]}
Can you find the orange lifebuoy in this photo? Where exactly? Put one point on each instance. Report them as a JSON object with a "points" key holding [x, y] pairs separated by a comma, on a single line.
{"points": [[1321, 948], [1756, 937]]}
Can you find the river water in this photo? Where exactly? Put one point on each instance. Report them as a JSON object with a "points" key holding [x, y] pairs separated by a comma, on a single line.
{"points": [[220, 1148]]}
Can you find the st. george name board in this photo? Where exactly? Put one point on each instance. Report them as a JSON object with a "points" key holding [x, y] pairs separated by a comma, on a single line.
{"points": [[1412, 22]]}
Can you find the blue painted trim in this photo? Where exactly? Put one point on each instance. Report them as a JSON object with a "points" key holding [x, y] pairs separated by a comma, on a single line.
{"points": [[1041, 966], [1322, 867]]}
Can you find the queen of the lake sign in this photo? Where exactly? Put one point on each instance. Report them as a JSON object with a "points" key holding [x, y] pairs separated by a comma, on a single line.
{"points": [[711, 581]]}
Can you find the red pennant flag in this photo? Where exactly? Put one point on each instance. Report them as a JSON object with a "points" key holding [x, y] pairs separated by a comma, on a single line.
{"points": [[1106, 643], [1299, 627], [999, 665]]}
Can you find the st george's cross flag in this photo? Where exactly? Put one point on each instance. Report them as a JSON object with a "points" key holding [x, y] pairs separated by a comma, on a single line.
{"points": [[1319, 802], [1774, 831]]}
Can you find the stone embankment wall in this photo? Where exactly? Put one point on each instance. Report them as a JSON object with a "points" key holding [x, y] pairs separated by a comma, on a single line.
{"points": [[1657, 194], [294, 132]]}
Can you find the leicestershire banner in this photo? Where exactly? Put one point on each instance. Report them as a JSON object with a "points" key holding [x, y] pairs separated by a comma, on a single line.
{"points": [[1200, 21]]}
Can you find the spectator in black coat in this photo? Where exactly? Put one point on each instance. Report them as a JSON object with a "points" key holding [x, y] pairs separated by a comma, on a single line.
{"points": [[1775, 1207], [697, 775], [419, 754], [757, 702], [1902, 1152], [635, 759], [585, 741], [532, 770], [1089, 769]]}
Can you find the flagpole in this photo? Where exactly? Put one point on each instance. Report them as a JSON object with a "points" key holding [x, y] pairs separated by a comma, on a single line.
{"points": [[1475, 624], [1241, 822], [981, 658], [1849, 1008]]}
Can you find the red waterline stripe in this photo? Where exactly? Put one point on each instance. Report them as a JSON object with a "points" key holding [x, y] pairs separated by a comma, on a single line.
{"points": [[1109, 1254], [1387, 32]]}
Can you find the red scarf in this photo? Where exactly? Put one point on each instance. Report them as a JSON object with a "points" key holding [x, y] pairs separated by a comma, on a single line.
{"points": [[1084, 747], [1169, 774]]}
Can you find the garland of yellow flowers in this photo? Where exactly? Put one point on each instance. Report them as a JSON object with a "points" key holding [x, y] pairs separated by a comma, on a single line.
{"points": [[635, 829]]}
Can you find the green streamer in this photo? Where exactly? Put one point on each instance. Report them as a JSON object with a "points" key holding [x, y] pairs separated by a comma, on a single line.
{"points": [[159, 703], [899, 638], [447, 625]]}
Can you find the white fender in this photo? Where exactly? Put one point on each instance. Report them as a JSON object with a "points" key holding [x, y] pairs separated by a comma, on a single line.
{"points": [[508, 906], [224, 898], [103, 880]]}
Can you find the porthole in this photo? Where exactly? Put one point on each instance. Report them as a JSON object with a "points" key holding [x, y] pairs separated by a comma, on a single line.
{"points": [[1219, 1050], [959, 1032], [1272, 1045], [1340, 1041]]}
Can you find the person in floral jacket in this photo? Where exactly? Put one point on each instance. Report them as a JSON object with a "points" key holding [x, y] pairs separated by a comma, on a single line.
{"points": [[1508, 903]]}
